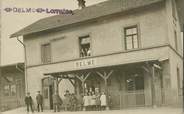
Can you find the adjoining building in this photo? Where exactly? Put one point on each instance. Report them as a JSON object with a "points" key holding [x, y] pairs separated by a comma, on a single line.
{"points": [[131, 49], [12, 86]]}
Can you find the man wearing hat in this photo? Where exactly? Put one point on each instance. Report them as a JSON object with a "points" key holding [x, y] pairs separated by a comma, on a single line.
{"points": [[29, 102], [39, 99]]}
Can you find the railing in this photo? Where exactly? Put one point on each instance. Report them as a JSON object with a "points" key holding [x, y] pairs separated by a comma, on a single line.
{"points": [[128, 99]]}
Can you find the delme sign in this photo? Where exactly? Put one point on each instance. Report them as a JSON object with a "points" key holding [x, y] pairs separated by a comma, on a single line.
{"points": [[85, 63]]}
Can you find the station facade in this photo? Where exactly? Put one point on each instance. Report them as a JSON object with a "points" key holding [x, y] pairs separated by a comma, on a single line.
{"points": [[132, 52]]}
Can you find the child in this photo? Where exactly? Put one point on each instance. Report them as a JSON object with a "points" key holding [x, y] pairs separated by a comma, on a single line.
{"points": [[93, 101]]}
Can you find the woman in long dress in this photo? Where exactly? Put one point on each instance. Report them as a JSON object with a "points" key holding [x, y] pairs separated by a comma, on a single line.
{"points": [[103, 100]]}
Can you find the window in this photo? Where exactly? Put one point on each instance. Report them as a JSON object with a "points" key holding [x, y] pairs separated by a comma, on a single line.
{"points": [[175, 40], [85, 46], [7, 90], [131, 38], [135, 82], [178, 78], [46, 53], [13, 90]]}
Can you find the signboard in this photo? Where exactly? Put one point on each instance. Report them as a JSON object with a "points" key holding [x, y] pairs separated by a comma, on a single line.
{"points": [[85, 63]]}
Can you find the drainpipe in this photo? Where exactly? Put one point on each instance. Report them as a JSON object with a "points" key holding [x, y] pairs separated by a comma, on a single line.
{"points": [[183, 76], [25, 64]]}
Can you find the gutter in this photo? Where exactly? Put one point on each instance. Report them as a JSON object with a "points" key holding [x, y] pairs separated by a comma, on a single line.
{"points": [[25, 64]]}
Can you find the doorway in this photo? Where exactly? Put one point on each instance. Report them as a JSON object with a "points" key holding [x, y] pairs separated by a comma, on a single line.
{"points": [[48, 90], [134, 89]]}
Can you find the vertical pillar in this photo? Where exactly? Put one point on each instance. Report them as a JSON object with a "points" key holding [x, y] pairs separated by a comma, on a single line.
{"points": [[83, 87], [56, 89], [153, 88], [107, 93]]}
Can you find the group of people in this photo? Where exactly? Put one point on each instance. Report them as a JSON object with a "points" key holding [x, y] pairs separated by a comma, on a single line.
{"points": [[89, 101], [29, 102], [85, 52], [94, 101]]}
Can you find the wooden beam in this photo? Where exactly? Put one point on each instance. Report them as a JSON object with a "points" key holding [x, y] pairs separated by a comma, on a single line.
{"points": [[72, 82], [88, 74], [59, 80], [101, 75], [79, 78], [109, 74]]}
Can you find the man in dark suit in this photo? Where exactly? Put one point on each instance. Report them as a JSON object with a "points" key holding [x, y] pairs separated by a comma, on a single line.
{"points": [[29, 102], [39, 99]]}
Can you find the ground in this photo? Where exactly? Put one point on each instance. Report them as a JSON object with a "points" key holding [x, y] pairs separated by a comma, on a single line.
{"points": [[164, 110]]}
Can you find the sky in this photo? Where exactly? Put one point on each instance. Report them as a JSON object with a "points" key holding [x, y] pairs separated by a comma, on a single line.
{"points": [[12, 51]]}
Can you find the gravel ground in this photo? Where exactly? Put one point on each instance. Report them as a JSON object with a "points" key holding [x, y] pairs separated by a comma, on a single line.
{"points": [[164, 110]]}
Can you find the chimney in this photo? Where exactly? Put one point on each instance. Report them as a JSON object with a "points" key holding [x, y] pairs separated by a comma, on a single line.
{"points": [[81, 4]]}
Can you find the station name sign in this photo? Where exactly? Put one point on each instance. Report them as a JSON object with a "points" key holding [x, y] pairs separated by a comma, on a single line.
{"points": [[85, 63]]}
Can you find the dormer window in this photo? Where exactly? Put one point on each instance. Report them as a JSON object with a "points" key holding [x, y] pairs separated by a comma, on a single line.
{"points": [[85, 46]]}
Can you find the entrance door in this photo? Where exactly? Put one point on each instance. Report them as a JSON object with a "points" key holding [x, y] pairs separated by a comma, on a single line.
{"points": [[134, 95], [48, 90]]}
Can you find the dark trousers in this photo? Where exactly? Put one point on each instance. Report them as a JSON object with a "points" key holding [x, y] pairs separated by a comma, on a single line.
{"points": [[98, 107], [29, 106], [40, 106], [103, 107], [56, 107]]}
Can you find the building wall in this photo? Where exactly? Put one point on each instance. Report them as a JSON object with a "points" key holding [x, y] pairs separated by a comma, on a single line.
{"points": [[36, 73], [175, 55], [12, 92], [173, 25], [176, 62], [106, 36]]}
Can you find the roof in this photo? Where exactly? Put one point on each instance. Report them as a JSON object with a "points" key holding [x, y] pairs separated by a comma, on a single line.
{"points": [[12, 65], [88, 13]]}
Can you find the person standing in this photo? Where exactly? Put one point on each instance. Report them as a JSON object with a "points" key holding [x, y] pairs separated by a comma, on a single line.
{"points": [[39, 99], [57, 102], [103, 100], [29, 102], [80, 102], [73, 102], [93, 101], [86, 101], [89, 100], [98, 102]]}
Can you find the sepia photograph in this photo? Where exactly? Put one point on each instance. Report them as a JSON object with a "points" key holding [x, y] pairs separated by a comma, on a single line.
{"points": [[91, 56]]}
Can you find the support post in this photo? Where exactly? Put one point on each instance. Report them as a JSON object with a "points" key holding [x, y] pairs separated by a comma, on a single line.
{"points": [[105, 76], [107, 94], [83, 78], [153, 88], [56, 88], [83, 88]]}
